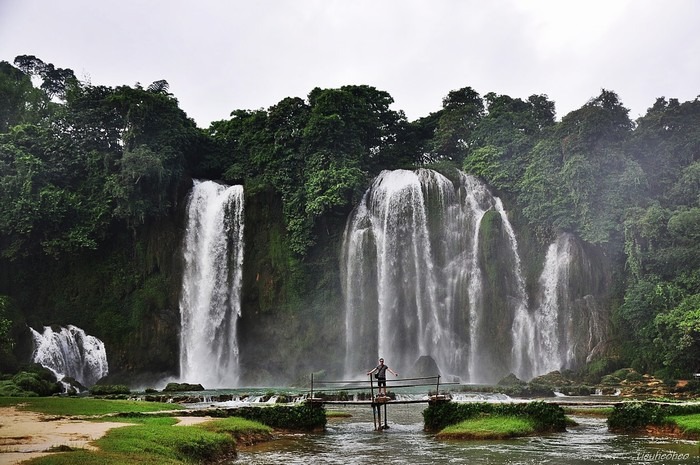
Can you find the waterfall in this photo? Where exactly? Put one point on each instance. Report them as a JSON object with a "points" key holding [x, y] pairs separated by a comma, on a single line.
{"points": [[70, 353], [211, 287], [567, 320], [412, 279]]}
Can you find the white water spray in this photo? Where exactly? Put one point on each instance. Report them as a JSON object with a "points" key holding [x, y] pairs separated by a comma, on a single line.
{"points": [[210, 302], [69, 352], [412, 277]]}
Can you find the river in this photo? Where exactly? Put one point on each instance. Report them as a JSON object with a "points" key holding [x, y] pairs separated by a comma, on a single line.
{"points": [[353, 440]]}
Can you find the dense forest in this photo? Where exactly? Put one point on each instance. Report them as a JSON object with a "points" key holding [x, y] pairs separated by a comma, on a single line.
{"points": [[93, 181]]}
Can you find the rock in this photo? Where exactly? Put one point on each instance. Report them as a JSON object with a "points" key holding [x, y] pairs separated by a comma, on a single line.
{"points": [[181, 387], [511, 380], [425, 367]]}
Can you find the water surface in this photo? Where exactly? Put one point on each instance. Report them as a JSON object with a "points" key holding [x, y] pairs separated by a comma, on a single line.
{"points": [[354, 441]]}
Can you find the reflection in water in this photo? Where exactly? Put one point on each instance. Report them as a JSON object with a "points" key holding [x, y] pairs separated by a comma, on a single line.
{"points": [[353, 441]]}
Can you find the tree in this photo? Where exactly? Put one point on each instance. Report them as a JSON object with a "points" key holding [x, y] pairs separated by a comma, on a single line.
{"points": [[461, 112], [678, 338], [504, 137], [580, 177], [55, 81], [20, 102]]}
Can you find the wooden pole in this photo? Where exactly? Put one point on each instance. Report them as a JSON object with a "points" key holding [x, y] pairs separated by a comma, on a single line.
{"points": [[374, 413], [312, 386], [385, 415]]}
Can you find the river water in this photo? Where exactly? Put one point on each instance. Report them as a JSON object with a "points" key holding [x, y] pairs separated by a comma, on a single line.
{"points": [[353, 441]]}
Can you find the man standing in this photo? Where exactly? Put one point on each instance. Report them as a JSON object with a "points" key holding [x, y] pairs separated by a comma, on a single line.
{"points": [[381, 370]]}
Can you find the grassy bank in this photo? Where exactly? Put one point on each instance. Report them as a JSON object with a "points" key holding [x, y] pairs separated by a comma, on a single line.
{"points": [[675, 418], [479, 418], [150, 437], [152, 440], [84, 406], [489, 427], [689, 425]]}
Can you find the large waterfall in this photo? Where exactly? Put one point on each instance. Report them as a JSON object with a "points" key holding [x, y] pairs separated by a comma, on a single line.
{"points": [[69, 352], [211, 288], [431, 268]]}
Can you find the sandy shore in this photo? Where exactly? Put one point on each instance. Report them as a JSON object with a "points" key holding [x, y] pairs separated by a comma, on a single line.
{"points": [[25, 435]]}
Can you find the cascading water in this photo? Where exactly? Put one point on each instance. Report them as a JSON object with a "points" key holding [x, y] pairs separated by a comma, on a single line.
{"points": [[210, 302], [412, 278], [431, 268], [567, 324], [70, 352]]}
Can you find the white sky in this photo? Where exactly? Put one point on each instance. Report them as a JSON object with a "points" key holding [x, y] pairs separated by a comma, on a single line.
{"points": [[223, 55]]}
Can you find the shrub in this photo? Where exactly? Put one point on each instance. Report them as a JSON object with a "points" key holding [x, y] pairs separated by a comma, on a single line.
{"points": [[489, 427], [36, 383], [305, 417], [109, 389], [182, 387], [636, 415], [545, 416]]}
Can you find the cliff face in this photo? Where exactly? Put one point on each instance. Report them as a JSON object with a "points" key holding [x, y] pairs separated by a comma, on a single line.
{"points": [[125, 293], [293, 311]]}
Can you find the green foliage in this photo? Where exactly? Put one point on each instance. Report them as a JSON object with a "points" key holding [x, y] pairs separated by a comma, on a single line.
{"points": [[689, 424], [109, 389], [20, 102], [635, 415], [237, 427], [33, 380], [159, 440], [545, 416], [182, 387], [304, 417], [86, 405], [489, 427], [679, 335], [88, 173], [7, 343]]}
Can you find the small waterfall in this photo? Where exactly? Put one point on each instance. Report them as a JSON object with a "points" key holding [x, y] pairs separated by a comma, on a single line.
{"points": [[412, 279], [210, 301], [70, 353], [567, 321], [553, 282]]}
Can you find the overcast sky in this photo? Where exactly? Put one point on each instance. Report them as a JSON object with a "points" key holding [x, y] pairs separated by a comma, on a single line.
{"points": [[223, 55]]}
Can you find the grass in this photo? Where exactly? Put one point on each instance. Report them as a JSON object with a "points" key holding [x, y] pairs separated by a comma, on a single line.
{"points": [[236, 426], [68, 406], [489, 427], [589, 411], [337, 414], [150, 440], [688, 424]]}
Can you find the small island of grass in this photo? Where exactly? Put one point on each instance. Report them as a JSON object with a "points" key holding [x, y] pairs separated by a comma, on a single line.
{"points": [[489, 427], [656, 418], [482, 420]]}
